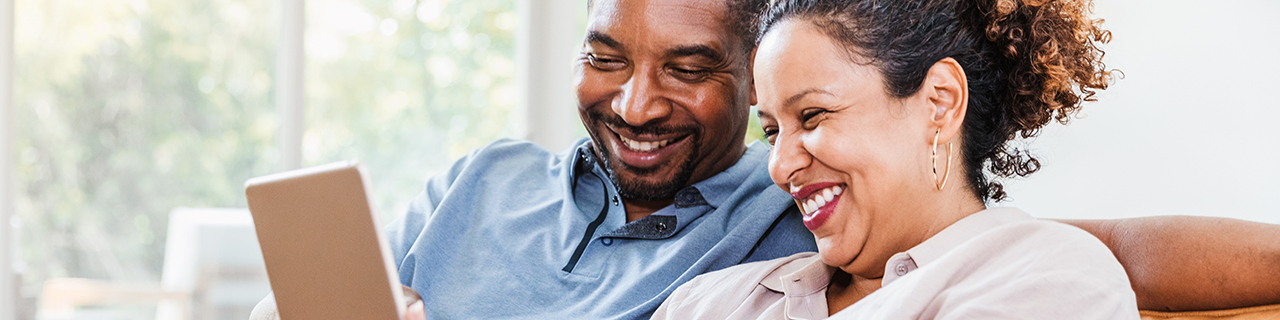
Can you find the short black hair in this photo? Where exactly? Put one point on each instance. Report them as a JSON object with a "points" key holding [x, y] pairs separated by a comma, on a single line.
{"points": [[742, 17]]}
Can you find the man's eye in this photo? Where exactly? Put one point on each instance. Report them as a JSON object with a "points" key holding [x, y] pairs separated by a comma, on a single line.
{"points": [[604, 63], [690, 74]]}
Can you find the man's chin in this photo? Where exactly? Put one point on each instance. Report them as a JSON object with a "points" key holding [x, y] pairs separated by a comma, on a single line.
{"points": [[647, 183]]}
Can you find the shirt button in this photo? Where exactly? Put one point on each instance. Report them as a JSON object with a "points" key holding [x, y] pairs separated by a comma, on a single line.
{"points": [[615, 200], [660, 227], [901, 269], [606, 241]]}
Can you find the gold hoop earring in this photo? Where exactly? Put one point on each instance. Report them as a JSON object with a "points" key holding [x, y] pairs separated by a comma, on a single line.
{"points": [[946, 173]]}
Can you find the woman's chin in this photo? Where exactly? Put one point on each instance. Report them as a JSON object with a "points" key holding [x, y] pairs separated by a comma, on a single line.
{"points": [[834, 254]]}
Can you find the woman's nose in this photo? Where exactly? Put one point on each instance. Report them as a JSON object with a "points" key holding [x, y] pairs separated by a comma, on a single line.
{"points": [[787, 157]]}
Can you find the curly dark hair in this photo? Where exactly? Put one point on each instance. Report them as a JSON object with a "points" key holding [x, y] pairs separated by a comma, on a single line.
{"points": [[1027, 62]]}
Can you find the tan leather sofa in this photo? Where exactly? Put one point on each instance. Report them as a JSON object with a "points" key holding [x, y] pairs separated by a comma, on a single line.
{"points": [[1270, 312], [1226, 268]]}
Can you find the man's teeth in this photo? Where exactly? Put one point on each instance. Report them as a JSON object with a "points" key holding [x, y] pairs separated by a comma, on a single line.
{"points": [[644, 146], [819, 199]]}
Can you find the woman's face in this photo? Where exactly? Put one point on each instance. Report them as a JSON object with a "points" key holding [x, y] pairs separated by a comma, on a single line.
{"points": [[856, 159]]}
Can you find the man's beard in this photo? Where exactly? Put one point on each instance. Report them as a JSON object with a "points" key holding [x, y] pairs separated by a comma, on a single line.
{"points": [[635, 189]]}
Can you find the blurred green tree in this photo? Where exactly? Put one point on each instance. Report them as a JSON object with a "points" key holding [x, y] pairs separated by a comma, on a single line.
{"points": [[127, 109], [130, 108], [407, 87]]}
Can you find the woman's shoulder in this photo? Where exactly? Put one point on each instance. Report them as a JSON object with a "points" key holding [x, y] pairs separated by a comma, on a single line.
{"points": [[1030, 268], [1045, 255], [1010, 234], [1044, 242], [1047, 234], [1012, 248]]}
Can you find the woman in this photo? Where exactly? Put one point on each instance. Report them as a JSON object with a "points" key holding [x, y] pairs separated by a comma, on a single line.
{"points": [[886, 118]]}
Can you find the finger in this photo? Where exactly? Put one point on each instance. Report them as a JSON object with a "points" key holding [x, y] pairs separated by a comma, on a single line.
{"points": [[416, 312], [410, 296]]}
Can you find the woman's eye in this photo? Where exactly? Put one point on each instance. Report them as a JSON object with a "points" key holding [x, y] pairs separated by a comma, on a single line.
{"points": [[770, 134], [808, 117]]}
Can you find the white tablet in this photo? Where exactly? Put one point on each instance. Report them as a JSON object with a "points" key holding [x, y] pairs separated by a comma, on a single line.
{"points": [[325, 252]]}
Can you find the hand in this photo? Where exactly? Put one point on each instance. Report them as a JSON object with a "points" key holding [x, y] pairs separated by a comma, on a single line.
{"points": [[413, 302]]}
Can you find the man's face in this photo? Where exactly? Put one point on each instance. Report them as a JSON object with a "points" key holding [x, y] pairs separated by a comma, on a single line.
{"points": [[664, 90]]}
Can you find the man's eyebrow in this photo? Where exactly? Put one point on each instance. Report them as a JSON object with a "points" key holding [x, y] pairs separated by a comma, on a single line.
{"points": [[796, 97], [701, 50], [601, 38]]}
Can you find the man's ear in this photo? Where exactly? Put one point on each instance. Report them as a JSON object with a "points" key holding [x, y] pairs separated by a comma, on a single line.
{"points": [[751, 75], [946, 93], [754, 101]]}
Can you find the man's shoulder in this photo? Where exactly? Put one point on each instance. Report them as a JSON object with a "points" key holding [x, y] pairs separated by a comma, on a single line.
{"points": [[515, 149], [505, 154]]}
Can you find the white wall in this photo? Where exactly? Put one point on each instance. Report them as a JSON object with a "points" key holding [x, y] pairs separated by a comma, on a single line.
{"points": [[1191, 129], [548, 41]]}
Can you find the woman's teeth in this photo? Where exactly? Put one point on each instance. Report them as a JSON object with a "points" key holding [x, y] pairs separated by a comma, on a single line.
{"points": [[819, 199], [644, 146]]}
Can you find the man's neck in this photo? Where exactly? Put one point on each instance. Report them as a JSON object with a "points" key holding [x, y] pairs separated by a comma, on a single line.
{"points": [[637, 208]]}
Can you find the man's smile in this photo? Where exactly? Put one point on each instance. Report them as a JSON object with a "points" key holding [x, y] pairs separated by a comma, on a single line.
{"points": [[647, 151]]}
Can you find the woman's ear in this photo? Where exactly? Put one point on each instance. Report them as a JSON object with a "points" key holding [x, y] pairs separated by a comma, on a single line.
{"points": [[946, 92]]}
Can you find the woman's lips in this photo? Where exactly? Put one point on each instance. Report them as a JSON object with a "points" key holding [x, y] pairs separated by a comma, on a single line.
{"points": [[814, 220], [817, 201]]}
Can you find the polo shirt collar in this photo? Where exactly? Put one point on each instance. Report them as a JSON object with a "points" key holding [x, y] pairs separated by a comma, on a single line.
{"points": [[687, 207], [716, 190], [948, 239], [713, 191]]}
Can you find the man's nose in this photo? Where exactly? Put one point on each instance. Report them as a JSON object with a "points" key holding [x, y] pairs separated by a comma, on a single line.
{"points": [[641, 100]]}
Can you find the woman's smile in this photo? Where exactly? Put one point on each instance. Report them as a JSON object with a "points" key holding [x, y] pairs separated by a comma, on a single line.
{"points": [[817, 202]]}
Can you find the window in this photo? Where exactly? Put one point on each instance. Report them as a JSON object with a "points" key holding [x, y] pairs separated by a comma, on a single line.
{"points": [[407, 87], [128, 109]]}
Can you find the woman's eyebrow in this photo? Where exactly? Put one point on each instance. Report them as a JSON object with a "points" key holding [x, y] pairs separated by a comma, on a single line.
{"points": [[796, 97]]}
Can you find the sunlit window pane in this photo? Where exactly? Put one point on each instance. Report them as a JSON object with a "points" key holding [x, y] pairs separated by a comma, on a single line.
{"points": [[127, 109], [407, 86]]}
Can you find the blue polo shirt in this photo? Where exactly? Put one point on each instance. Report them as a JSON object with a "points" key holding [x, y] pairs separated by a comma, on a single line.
{"points": [[515, 231]]}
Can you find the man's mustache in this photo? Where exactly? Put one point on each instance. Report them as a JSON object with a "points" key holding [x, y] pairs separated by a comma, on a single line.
{"points": [[616, 122]]}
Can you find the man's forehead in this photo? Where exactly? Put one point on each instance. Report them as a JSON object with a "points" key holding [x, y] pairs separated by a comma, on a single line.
{"points": [[677, 22]]}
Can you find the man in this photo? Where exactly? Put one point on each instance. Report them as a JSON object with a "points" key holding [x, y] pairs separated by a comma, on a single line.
{"points": [[662, 192]]}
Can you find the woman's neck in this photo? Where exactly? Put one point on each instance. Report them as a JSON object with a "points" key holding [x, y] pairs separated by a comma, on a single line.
{"points": [[846, 289]]}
